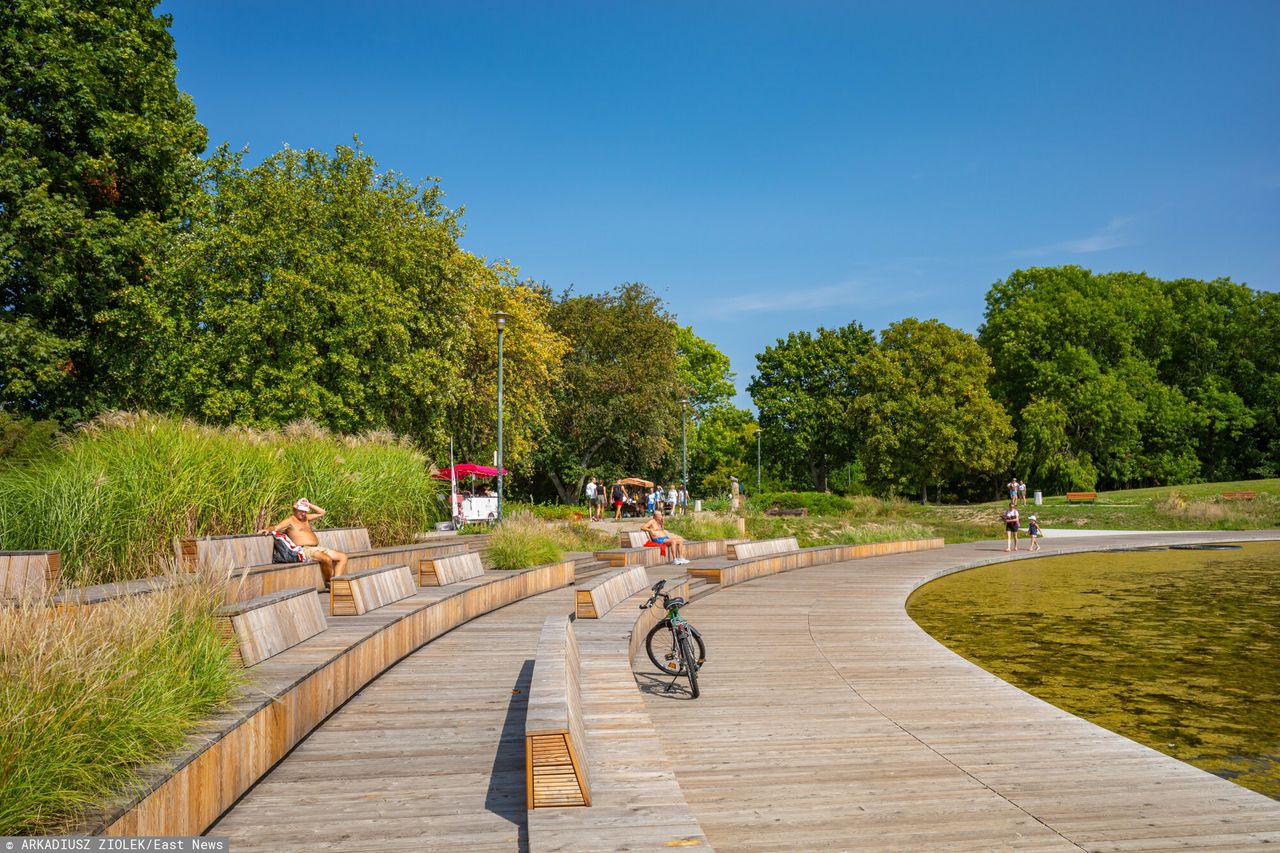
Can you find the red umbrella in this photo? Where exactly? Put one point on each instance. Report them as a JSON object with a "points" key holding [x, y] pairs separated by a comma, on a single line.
{"points": [[467, 469]]}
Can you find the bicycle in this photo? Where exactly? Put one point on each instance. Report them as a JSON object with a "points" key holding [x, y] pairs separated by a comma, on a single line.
{"points": [[674, 652]]}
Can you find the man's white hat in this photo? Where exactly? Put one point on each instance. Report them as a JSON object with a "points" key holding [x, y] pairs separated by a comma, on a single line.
{"points": [[303, 504]]}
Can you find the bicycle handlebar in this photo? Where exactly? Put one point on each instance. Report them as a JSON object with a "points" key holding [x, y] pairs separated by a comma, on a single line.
{"points": [[657, 591]]}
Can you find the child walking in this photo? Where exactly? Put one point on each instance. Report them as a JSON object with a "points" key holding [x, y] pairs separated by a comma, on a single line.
{"points": [[1033, 530]]}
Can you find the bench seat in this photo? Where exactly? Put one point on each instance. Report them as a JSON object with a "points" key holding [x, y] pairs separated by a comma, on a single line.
{"points": [[267, 625], [29, 573], [557, 769], [442, 571], [1081, 496], [358, 593], [601, 594], [760, 548]]}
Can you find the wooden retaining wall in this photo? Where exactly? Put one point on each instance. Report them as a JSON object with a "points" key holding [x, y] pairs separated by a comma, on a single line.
{"points": [[203, 784], [729, 574]]}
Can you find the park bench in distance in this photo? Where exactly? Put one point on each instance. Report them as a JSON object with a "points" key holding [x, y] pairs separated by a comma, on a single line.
{"points": [[1238, 496], [354, 594], [799, 512], [29, 573], [1072, 497], [556, 766]]}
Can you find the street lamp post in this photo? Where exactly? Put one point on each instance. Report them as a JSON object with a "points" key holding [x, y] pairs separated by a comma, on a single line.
{"points": [[501, 317], [684, 442], [757, 462]]}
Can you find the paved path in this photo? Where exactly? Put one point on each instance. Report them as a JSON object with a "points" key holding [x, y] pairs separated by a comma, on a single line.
{"points": [[428, 757], [829, 720]]}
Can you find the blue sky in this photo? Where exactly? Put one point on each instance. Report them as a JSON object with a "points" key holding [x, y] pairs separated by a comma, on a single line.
{"points": [[769, 167]]}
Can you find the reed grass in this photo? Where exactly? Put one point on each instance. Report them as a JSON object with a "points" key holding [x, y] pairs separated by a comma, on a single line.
{"points": [[522, 540], [89, 697], [112, 495]]}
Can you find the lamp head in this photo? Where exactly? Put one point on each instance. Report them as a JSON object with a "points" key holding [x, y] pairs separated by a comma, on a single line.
{"points": [[502, 317]]}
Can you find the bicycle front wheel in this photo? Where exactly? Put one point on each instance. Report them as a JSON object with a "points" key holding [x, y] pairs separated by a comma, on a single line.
{"points": [[663, 651], [691, 663]]}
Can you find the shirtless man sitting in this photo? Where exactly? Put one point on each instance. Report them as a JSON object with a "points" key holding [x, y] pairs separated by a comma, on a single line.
{"points": [[298, 528], [659, 534]]}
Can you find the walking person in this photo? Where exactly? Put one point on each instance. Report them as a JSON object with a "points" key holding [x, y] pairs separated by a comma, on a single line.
{"points": [[591, 498], [1012, 486], [619, 497], [1011, 526], [1033, 530], [1022, 491]]}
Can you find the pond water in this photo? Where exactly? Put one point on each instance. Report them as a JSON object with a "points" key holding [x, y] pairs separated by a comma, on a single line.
{"points": [[1179, 650]]}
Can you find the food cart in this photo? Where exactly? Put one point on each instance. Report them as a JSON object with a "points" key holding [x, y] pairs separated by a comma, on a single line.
{"points": [[473, 505], [635, 506]]}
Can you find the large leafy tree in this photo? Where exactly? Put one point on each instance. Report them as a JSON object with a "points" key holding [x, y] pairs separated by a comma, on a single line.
{"points": [[924, 410], [803, 388], [1145, 381], [98, 155], [616, 409], [311, 286]]}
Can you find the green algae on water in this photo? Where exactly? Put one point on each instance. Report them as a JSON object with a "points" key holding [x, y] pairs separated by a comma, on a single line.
{"points": [[1175, 649]]}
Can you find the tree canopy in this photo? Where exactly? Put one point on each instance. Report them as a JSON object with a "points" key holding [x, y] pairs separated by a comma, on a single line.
{"points": [[98, 155]]}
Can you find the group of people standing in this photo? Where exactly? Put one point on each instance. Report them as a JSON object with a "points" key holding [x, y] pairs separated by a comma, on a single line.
{"points": [[599, 496], [1013, 521]]}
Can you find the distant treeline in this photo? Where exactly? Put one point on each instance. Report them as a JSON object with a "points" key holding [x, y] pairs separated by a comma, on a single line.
{"points": [[1075, 380]]}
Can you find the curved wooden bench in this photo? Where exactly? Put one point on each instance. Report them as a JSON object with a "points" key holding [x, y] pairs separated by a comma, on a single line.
{"points": [[761, 548], [555, 745], [636, 801], [1081, 496], [617, 557], [727, 573], [89, 596], [265, 626], [29, 573], [601, 594], [292, 694], [358, 593], [442, 571]]}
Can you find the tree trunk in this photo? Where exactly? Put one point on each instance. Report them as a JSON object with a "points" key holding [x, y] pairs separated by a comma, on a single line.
{"points": [[565, 491], [924, 494]]}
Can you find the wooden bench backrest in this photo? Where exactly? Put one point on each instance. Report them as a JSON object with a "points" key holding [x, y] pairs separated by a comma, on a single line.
{"points": [[631, 556], [556, 765], [348, 540], [601, 594], [265, 626], [223, 552], [443, 571], [354, 594], [632, 539], [1082, 496], [29, 573], [761, 548]]}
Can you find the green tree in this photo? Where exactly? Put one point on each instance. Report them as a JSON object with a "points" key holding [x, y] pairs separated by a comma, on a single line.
{"points": [[703, 370], [533, 354], [722, 445], [311, 286], [925, 412], [98, 156], [803, 389], [617, 407]]}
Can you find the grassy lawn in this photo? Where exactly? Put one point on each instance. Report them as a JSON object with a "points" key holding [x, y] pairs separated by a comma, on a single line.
{"points": [[1193, 507]]}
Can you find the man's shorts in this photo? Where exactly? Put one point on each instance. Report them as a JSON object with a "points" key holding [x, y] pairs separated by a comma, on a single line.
{"points": [[310, 551], [661, 539]]}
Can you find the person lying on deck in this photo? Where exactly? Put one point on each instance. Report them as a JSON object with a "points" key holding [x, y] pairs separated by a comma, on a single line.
{"points": [[298, 528], [658, 533]]}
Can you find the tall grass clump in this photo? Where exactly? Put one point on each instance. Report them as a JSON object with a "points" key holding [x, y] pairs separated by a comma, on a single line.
{"points": [[704, 526], [522, 540], [112, 495], [89, 698]]}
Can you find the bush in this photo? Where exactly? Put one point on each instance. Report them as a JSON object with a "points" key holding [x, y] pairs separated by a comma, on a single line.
{"points": [[522, 540], [89, 700], [818, 503], [112, 495]]}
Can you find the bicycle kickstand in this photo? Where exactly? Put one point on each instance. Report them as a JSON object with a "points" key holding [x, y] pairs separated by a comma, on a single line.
{"points": [[672, 685]]}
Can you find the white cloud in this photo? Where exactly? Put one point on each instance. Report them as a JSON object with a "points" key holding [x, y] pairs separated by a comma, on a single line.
{"points": [[1113, 236]]}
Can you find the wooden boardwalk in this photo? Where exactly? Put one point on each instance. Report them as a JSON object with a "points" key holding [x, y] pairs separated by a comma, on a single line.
{"points": [[428, 757], [829, 720]]}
